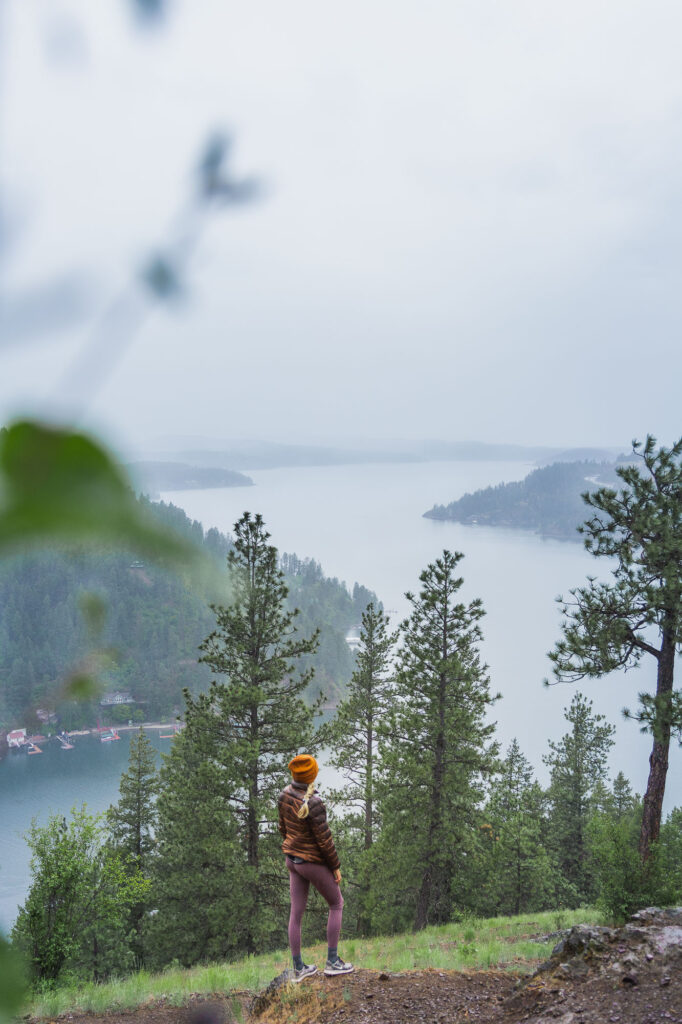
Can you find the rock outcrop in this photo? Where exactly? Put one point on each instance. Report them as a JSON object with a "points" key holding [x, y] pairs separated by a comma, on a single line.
{"points": [[627, 974], [651, 939]]}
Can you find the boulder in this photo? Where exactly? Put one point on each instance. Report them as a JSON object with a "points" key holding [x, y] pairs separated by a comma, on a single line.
{"points": [[581, 939], [262, 1000]]}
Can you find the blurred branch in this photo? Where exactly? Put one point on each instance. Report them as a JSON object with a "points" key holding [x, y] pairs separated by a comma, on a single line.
{"points": [[150, 11]]}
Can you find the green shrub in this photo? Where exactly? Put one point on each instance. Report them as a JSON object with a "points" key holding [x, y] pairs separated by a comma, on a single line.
{"points": [[624, 883], [72, 924]]}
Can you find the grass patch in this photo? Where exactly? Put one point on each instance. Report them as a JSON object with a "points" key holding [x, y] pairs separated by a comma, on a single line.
{"points": [[472, 944], [175, 985], [505, 943]]}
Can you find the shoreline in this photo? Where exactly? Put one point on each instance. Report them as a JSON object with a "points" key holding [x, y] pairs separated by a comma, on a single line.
{"points": [[174, 729], [95, 731]]}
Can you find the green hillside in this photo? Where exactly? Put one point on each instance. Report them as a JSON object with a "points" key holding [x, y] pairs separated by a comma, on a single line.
{"points": [[153, 622]]}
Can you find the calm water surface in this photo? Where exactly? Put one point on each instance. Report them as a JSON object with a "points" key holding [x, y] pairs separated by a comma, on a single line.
{"points": [[364, 523], [53, 782]]}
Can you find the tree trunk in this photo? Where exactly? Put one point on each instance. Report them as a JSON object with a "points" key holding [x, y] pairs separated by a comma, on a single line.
{"points": [[423, 900], [364, 921], [252, 813], [95, 957], [658, 761], [252, 836], [369, 810], [425, 893]]}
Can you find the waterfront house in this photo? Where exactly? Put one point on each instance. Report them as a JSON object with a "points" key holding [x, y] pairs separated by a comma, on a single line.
{"points": [[16, 738], [118, 697]]}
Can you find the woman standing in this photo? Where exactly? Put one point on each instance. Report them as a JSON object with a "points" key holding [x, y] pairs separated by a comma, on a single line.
{"points": [[310, 857]]}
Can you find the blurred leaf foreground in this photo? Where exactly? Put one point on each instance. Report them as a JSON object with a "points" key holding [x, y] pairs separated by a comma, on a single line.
{"points": [[58, 485]]}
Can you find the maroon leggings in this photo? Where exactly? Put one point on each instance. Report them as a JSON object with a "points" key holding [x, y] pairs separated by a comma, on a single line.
{"points": [[300, 877]]}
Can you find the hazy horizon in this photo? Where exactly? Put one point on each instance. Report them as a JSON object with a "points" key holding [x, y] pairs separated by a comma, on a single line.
{"points": [[176, 442]]}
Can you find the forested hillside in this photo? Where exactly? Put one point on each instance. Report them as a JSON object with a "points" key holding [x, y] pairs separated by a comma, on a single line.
{"points": [[153, 622], [548, 500]]}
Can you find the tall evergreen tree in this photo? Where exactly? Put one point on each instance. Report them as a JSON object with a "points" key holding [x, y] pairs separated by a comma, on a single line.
{"points": [[200, 888], [616, 800], [436, 750], [132, 823], [352, 737], [613, 625], [260, 719], [624, 800], [577, 764], [519, 868]]}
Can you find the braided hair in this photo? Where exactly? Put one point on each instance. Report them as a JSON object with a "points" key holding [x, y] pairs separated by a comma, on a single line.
{"points": [[303, 810]]}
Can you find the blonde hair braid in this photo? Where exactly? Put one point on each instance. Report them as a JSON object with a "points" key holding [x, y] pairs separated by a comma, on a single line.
{"points": [[303, 810]]}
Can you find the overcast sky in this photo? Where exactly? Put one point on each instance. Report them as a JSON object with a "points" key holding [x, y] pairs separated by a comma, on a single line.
{"points": [[470, 225]]}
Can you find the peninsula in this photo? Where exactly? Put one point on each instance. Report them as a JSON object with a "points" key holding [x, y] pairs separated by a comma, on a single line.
{"points": [[153, 476], [548, 501]]}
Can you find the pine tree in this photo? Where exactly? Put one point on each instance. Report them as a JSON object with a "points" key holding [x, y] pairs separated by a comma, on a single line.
{"points": [[616, 800], [352, 737], [577, 765], [613, 625], [519, 868], [132, 823], [624, 800], [200, 889], [260, 720], [435, 752]]}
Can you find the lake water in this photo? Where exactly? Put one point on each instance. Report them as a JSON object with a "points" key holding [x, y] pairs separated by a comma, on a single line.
{"points": [[364, 524]]}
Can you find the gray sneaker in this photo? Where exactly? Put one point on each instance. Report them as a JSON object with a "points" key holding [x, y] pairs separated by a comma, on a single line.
{"points": [[337, 966], [305, 972]]}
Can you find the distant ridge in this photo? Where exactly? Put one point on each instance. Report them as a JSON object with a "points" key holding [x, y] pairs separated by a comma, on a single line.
{"points": [[254, 454]]}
